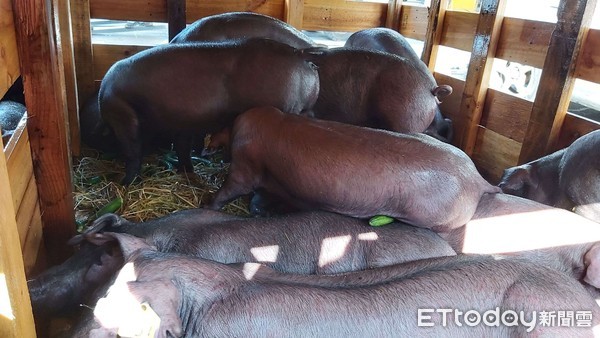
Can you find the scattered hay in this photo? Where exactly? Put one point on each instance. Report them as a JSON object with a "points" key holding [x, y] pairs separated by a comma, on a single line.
{"points": [[161, 191]]}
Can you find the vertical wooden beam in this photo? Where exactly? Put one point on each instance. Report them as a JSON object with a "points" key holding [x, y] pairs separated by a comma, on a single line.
{"points": [[392, 19], [480, 67], [62, 13], [293, 13], [82, 49], [175, 17], [557, 80], [42, 73], [16, 318], [435, 24]]}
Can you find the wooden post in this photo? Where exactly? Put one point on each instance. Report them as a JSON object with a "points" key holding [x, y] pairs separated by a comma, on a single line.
{"points": [[293, 13], [557, 81], [16, 318], [435, 25], [480, 67], [175, 17], [392, 19], [62, 13], [82, 50], [42, 73]]}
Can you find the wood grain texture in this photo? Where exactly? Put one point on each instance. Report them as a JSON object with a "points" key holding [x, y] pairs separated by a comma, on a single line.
{"points": [[433, 36], [26, 209], [588, 61], [524, 41], [9, 57], [459, 30], [33, 248], [506, 114], [494, 153], [573, 128], [175, 17], [343, 16], [413, 22], [62, 11], [197, 9], [82, 49], [392, 18], [480, 67], [17, 320], [293, 13], [42, 75], [556, 82], [19, 165], [106, 55], [134, 10]]}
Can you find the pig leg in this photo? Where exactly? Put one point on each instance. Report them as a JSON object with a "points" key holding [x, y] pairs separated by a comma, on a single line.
{"points": [[236, 184], [183, 148], [125, 124]]}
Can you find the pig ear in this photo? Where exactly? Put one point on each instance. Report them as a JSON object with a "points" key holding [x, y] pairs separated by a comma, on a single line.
{"points": [[105, 221], [129, 244], [591, 261], [515, 179], [441, 92]]}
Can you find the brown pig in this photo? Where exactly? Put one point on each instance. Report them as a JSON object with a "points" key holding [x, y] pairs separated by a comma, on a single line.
{"points": [[389, 41], [376, 89], [201, 92], [356, 171]]}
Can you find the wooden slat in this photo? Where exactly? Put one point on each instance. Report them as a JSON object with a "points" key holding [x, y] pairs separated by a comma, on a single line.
{"points": [[175, 17], [433, 36], [343, 16], [494, 153], [413, 22], [51, 155], [588, 62], [82, 49], [32, 248], [134, 10], [557, 81], [26, 209], [63, 13], [459, 30], [524, 41], [197, 9], [106, 55], [9, 59], [392, 19], [17, 319], [480, 67], [293, 13], [573, 128], [20, 168], [506, 114]]}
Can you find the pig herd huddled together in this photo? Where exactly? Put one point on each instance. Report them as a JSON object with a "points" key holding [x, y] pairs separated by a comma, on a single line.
{"points": [[338, 136]]}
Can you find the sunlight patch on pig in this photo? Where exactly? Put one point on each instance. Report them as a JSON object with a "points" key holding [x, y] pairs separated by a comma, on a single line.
{"points": [[528, 231], [333, 248], [250, 270], [5, 308], [120, 310], [265, 253], [368, 236]]}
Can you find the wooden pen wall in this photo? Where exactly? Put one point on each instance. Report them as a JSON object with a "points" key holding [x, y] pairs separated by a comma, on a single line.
{"points": [[490, 125]]}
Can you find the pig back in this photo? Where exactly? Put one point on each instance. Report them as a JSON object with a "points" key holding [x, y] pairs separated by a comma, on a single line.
{"points": [[360, 172], [195, 87], [242, 25], [374, 89]]}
